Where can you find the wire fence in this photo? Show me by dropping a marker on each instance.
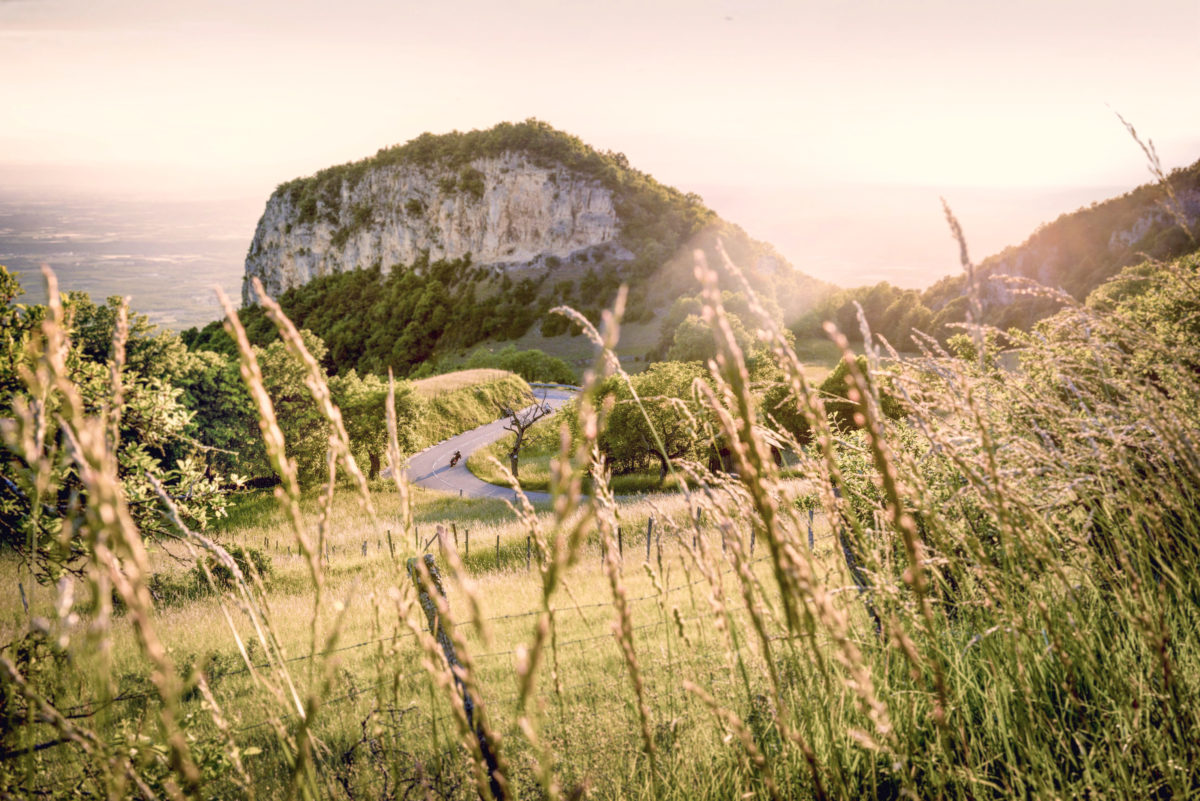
(92, 706)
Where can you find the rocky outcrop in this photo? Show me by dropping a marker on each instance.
(500, 210)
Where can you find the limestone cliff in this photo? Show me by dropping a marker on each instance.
(502, 209)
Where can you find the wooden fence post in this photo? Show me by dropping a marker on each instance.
(468, 552)
(497, 551)
(391, 547)
(527, 551)
(454, 528)
(649, 533)
(620, 546)
(364, 547)
(810, 533)
(439, 629)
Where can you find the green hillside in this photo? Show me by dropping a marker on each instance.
(1076, 253)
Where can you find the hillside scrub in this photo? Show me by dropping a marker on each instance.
(533, 365)
(998, 599)
(462, 408)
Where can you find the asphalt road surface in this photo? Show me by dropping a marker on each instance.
(431, 468)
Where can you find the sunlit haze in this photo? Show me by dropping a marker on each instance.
(827, 128)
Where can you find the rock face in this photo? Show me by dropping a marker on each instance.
(502, 210)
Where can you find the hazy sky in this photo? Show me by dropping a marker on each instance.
(743, 101)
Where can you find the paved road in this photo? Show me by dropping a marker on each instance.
(431, 468)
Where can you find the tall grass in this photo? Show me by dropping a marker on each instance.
(1003, 602)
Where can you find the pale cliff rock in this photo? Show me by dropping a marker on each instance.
(510, 212)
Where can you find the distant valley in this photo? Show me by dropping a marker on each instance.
(167, 256)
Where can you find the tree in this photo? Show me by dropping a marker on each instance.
(146, 434)
(363, 402)
(520, 422)
(662, 428)
(224, 419)
(304, 428)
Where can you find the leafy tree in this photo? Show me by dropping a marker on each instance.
(149, 435)
(780, 405)
(693, 341)
(17, 322)
(632, 439)
(532, 365)
(304, 428)
(149, 350)
(223, 419)
(363, 402)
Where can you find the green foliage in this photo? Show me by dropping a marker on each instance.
(17, 323)
(532, 365)
(891, 313)
(149, 437)
(363, 402)
(693, 340)
(371, 322)
(784, 408)
(470, 180)
(663, 427)
(249, 561)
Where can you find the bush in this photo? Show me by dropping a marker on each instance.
(245, 559)
(532, 365)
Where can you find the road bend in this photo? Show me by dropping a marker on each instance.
(431, 467)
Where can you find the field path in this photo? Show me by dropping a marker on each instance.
(431, 467)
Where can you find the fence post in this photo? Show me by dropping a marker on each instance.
(438, 628)
(620, 545)
(391, 547)
(527, 552)
(497, 551)
(649, 533)
(364, 547)
(454, 528)
(751, 543)
(468, 553)
(810, 534)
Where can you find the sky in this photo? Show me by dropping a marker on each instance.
(829, 128)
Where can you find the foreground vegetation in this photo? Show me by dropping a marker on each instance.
(999, 597)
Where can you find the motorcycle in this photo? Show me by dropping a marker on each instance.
(454, 459)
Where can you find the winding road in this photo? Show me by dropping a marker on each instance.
(431, 467)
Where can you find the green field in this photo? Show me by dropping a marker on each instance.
(997, 597)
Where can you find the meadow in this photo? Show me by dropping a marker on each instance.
(996, 597)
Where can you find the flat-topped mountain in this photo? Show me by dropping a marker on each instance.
(452, 239)
(503, 209)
